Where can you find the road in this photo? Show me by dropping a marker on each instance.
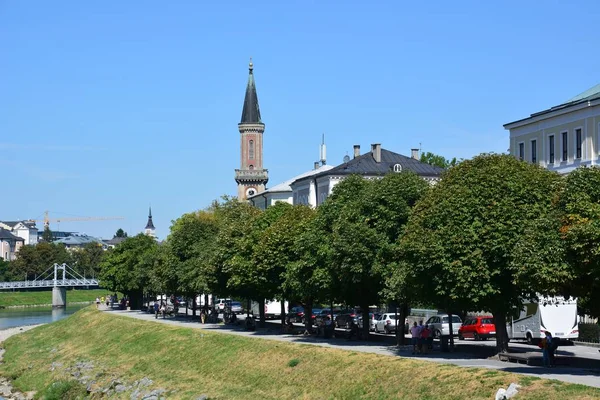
(589, 377)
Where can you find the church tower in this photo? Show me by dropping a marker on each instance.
(251, 178)
(150, 230)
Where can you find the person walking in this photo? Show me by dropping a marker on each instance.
(425, 332)
(102, 300)
(203, 315)
(546, 346)
(97, 302)
(163, 309)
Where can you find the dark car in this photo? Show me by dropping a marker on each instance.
(296, 314)
(326, 312)
(373, 317)
(315, 312)
(345, 318)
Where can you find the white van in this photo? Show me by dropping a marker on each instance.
(554, 314)
(272, 309)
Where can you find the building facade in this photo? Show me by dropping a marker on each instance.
(251, 177)
(283, 191)
(26, 230)
(561, 138)
(9, 245)
(314, 189)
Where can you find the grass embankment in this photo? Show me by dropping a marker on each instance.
(222, 366)
(12, 299)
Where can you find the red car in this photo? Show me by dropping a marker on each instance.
(478, 328)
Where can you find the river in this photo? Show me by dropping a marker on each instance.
(13, 317)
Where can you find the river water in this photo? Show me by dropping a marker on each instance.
(13, 317)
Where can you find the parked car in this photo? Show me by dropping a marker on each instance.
(478, 328)
(386, 323)
(345, 318)
(440, 326)
(326, 312)
(296, 314)
(315, 312)
(236, 307)
(220, 303)
(373, 317)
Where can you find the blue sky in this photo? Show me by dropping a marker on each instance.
(107, 107)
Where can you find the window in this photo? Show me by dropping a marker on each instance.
(578, 143)
(397, 168)
(565, 142)
(534, 151)
(551, 149)
(251, 150)
(521, 151)
(251, 167)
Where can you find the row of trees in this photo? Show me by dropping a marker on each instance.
(492, 232)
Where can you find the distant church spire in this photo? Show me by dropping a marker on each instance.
(150, 229)
(251, 111)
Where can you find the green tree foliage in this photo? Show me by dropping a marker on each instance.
(580, 208)
(32, 260)
(5, 272)
(47, 234)
(467, 241)
(87, 259)
(120, 234)
(189, 251)
(437, 160)
(127, 267)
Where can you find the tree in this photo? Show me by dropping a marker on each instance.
(126, 268)
(437, 160)
(120, 234)
(580, 210)
(87, 259)
(47, 234)
(189, 251)
(276, 233)
(32, 260)
(466, 243)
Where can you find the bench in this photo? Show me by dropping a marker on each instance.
(519, 358)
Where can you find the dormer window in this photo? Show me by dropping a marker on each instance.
(397, 168)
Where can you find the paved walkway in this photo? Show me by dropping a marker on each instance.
(587, 377)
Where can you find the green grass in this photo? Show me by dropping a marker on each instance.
(194, 362)
(11, 299)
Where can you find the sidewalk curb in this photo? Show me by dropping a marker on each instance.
(586, 344)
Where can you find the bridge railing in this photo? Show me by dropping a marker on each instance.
(49, 283)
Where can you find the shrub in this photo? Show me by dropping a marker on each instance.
(293, 362)
(64, 390)
(589, 332)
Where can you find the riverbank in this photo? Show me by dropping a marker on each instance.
(101, 352)
(6, 333)
(44, 298)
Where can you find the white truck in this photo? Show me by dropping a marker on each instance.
(554, 314)
(272, 309)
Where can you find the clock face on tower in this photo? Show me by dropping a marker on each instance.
(250, 192)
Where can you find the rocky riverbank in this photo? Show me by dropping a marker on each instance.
(6, 333)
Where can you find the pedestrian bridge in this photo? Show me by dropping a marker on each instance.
(58, 277)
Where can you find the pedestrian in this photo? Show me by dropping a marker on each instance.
(425, 332)
(203, 315)
(550, 348)
(107, 300)
(97, 302)
(102, 299)
(430, 339)
(420, 340)
(163, 309)
(414, 332)
(156, 308)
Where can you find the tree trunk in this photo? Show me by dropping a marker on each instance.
(401, 329)
(501, 333)
(450, 330)
(136, 298)
(366, 321)
(261, 313)
(282, 314)
(308, 305)
(248, 307)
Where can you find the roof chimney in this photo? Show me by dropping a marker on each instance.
(414, 153)
(356, 150)
(376, 150)
(316, 165)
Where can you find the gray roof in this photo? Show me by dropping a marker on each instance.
(592, 93)
(114, 241)
(150, 224)
(12, 224)
(78, 240)
(251, 111)
(5, 234)
(366, 165)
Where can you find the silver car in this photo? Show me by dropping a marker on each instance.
(236, 307)
(440, 327)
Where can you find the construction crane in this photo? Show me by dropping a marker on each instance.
(47, 219)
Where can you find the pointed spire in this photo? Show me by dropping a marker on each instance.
(150, 225)
(251, 111)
